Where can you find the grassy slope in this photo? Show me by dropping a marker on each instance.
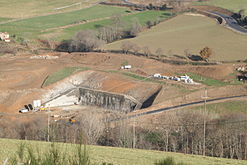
(32, 26)
(228, 107)
(193, 33)
(143, 17)
(66, 72)
(120, 155)
(4, 19)
(27, 8)
(234, 5)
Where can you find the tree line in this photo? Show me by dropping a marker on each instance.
(192, 132)
(90, 40)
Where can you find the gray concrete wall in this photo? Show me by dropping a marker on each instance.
(106, 100)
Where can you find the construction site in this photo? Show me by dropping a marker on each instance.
(104, 83)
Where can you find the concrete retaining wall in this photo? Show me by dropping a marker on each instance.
(107, 100)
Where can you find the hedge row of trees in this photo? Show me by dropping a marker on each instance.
(89, 40)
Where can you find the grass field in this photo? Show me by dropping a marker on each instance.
(143, 17)
(66, 72)
(233, 5)
(28, 8)
(49, 26)
(193, 33)
(118, 156)
(229, 107)
(4, 19)
(30, 28)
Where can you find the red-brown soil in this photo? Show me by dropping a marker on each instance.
(21, 77)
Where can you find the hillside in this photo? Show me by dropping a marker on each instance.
(233, 5)
(120, 156)
(192, 32)
(23, 8)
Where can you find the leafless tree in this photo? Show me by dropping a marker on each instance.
(159, 52)
(136, 28)
(85, 41)
(146, 51)
(127, 46)
(136, 48)
(92, 126)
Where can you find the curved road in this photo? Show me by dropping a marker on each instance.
(231, 23)
(178, 106)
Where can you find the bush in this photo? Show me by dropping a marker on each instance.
(168, 161)
(54, 156)
(6, 48)
(206, 53)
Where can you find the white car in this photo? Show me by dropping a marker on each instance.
(23, 110)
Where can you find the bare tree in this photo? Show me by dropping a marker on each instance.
(136, 28)
(85, 41)
(92, 126)
(136, 48)
(159, 52)
(146, 51)
(127, 46)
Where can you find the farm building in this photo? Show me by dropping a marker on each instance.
(4, 36)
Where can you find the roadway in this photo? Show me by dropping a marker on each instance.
(231, 23)
(151, 112)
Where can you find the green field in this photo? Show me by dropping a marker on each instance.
(29, 28)
(143, 17)
(94, 17)
(118, 156)
(28, 8)
(192, 33)
(233, 5)
(4, 19)
(60, 75)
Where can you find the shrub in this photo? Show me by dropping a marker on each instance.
(206, 53)
(168, 161)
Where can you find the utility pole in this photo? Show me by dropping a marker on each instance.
(204, 121)
(134, 133)
(48, 125)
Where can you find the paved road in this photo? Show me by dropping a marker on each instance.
(232, 23)
(178, 106)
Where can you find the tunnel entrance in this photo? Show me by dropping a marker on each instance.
(149, 101)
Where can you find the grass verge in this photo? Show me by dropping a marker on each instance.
(229, 107)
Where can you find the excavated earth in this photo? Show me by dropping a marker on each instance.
(21, 78)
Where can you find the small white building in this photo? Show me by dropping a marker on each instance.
(4, 36)
(126, 67)
(157, 75)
